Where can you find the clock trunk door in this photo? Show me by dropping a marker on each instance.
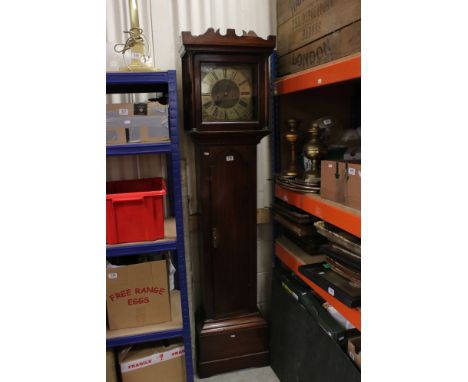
(233, 236)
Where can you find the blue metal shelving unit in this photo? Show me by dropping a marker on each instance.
(149, 83)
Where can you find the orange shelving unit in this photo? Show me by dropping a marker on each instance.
(345, 69)
(353, 315)
(346, 218)
(343, 217)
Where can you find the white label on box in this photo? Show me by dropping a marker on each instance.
(229, 158)
(112, 275)
(123, 111)
(351, 171)
(285, 198)
(331, 291)
(330, 165)
(206, 153)
(125, 367)
(127, 122)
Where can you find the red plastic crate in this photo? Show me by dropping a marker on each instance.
(134, 210)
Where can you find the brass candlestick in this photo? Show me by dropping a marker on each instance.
(313, 150)
(291, 136)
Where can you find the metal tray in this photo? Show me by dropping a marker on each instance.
(337, 238)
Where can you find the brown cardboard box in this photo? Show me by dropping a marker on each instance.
(155, 364)
(156, 108)
(119, 109)
(341, 183)
(111, 374)
(353, 186)
(354, 350)
(115, 135)
(138, 295)
(332, 182)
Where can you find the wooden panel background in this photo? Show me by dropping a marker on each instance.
(313, 19)
(341, 43)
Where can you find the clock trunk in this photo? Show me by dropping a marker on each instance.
(231, 333)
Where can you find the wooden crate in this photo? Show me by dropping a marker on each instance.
(341, 43)
(312, 32)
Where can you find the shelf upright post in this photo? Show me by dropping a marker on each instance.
(178, 211)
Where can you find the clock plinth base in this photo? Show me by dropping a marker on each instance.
(232, 343)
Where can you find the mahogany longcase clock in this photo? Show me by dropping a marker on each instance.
(225, 86)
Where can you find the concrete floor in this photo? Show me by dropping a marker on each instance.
(258, 374)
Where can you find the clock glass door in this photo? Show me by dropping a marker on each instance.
(228, 93)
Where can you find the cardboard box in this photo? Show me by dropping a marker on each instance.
(119, 110)
(332, 181)
(138, 295)
(156, 108)
(143, 129)
(353, 186)
(341, 183)
(115, 136)
(155, 364)
(111, 371)
(354, 350)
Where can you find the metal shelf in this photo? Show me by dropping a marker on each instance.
(139, 148)
(137, 248)
(138, 78)
(164, 330)
(293, 262)
(343, 217)
(344, 69)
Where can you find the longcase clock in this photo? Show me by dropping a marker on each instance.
(225, 86)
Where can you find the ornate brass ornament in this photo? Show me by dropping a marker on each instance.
(313, 150)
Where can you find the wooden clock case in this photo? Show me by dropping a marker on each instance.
(230, 332)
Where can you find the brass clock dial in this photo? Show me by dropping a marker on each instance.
(227, 93)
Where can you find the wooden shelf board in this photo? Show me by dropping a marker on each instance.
(344, 69)
(175, 323)
(337, 214)
(293, 261)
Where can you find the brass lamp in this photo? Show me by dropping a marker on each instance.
(136, 43)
